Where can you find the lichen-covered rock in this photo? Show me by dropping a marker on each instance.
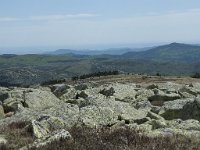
(40, 99)
(142, 105)
(96, 116)
(3, 139)
(124, 92)
(154, 116)
(3, 95)
(82, 94)
(189, 124)
(160, 97)
(69, 113)
(70, 94)
(59, 89)
(152, 86)
(155, 109)
(170, 87)
(128, 113)
(2, 115)
(30, 98)
(156, 124)
(144, 94)
(45, 125)
(49, 138)
(107, 92)
(183, 109)
(80, 102)
(158, 109)
(13, 106)
(81, 87)
(190, 90)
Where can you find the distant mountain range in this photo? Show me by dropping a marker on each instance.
(171, 52)
(172, 59)
(111, 51)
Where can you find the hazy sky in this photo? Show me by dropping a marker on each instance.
(87, 23)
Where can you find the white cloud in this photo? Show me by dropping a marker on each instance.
(6, 19)
(168, 27)
(62, 17)
(48, 17)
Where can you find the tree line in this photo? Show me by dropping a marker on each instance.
(96, 74)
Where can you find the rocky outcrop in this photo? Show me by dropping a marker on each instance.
(45, 125)
(69, 94)
(97, 116)
(190, 90)
(163, 109)
(2, 115)
(107, 92)
(160, 97)
(40, 99)
(29, 98)
(49, 138)
(81, 87)
(3, 96)
(59, 89)
(183, 109)
(3, 139)
(82, 94)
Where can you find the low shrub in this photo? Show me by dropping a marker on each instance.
(196, 75)
(104, 138)
(17, 134)
(95, 74)
(119, 139)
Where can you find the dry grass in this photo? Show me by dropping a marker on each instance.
(19, 134)
(119, 139)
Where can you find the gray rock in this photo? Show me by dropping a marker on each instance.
(155, 109)
(81, 87)
(190, 90)
(97, 116)
(160, 97)
(59, 89)
(154, 116)
(40, 99)
(82, 94)
(143, 105)
(2, 115)
(189, 125)
(67, 112)
(80, 102)
(152, 86)
(142, 120)
(124, 92)
(13, 106)
(45, 125)
(3, 139)
(156, 124)
(144, 94)
(107, 92)
(49, 138)
(70, 94)
(3, 95)
(183, 109)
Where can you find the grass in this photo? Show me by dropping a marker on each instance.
(84, 138)
(17, 134)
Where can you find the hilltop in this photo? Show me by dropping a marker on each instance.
(172, 52)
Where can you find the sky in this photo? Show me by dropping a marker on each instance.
(41, 25)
